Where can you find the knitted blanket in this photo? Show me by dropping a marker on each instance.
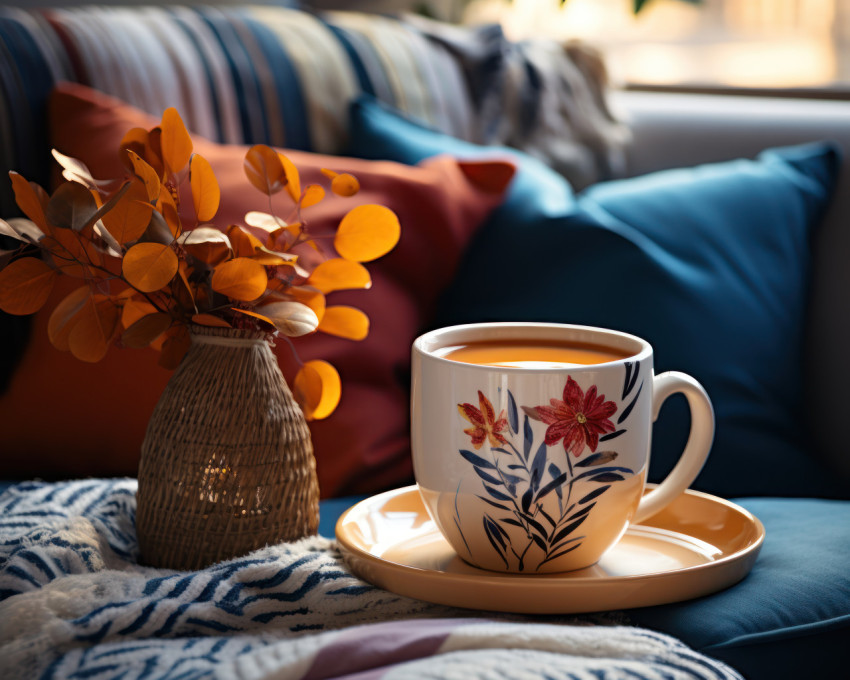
(74, 603)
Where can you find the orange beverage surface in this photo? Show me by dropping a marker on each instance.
(530, 354)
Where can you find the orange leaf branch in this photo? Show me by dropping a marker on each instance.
(148, 276)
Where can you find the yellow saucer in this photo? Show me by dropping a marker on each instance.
(698, 545)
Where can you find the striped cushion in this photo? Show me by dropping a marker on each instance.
(252, 74)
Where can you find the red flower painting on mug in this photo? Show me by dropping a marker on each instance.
(485, 424)
(579, 419)
(535, 505)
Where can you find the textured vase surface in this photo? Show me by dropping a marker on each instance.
(227, 462)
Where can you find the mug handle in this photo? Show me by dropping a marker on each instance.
(697, 448)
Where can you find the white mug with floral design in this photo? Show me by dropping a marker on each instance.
(531, 440)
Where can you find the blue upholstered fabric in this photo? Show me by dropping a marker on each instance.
(790, 617)
(710, 264)
(330, 510)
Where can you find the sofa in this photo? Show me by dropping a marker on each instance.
(713, 226)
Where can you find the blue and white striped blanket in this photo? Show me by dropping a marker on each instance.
(75, 604)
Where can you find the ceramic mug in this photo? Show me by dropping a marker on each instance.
(529, 464)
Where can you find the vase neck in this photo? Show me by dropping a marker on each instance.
(228, 337)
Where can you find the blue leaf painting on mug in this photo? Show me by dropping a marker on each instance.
(517, 479)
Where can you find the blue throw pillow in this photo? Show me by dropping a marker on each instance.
(710, 264)
(380, 132)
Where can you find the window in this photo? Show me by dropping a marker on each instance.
(777, 44)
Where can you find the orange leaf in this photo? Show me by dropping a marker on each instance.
(309, 296)
(272, 258)
(345, 185)
(293, 319)
(157, 344)
(175, 347)
(205, 192)
(94, 329)
(175, 142)
(367, 232)
(29, 200)
(290, 273)
(185, 295)
(134, 140)
(240, 279)
(243, 243)
(312, 195)
(63, 318)
(210, 320)
(339, 274)
(130, 216)
(25, 285)
(134, 309)
(264, 169)
(150, 177)
(345, 322)
(72, 255)
(149, 266)
(168, 209)
(71, 206)
(274, 226)
(145, 330)
(152, 152)
(293, 180)
(317, 389)
(207, 244)
(248, 245)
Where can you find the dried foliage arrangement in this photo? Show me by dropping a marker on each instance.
(152, 262)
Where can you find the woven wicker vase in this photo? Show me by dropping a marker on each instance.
(227, 463)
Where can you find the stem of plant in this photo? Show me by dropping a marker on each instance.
(292, 349)
(518, 455)
(525, 525)
(572, 475)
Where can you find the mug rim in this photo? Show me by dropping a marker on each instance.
(427, 343)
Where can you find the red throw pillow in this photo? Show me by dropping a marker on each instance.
(62, 417)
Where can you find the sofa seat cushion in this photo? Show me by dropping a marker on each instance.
(62, 417)
(710, 264)
(790, 617)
